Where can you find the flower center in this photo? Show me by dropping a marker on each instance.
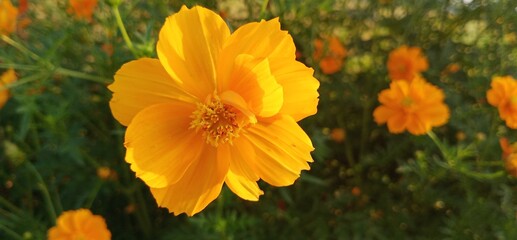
(407, 102)
(217, 120)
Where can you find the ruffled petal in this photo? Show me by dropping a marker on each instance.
(299, 85)
(200, 184)
(251, 78)
(188, 47)
(262, 39)
(142, 83)
(242, 177)
(282, 149)
(160, 145)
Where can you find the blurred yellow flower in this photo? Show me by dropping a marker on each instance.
(416, 106)
(503, 95)
(404, 63)
(215, 107)
(104, 173)
(79, 224)
(82, 9)
(330, 54)
(6, 78)
(8, 15)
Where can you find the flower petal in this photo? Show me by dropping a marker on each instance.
(262, 39)
(382, 114)
(251, 78)
(282, 149)
(142, 83)
(242, 177)
(200, 185)
(160, 144)
(188, 46)
(299, 85)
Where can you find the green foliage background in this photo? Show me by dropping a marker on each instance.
(57, 128)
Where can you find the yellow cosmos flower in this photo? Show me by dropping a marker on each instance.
(215, 107)
(6, 78)
(416, 106)
(8, 15)
(83, 9)
(405, 63)
(503, 95)
(79, 224)
(331, 60)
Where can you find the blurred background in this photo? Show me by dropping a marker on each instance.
(61, 148)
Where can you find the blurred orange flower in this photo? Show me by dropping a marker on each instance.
(404, 63)
(83, 9)
(338, 135)
(79, 224)
(6, 78)
(509, 156)
(503, 95)
(8, 15)
(330, 54)
(416, 106)
(215, 108)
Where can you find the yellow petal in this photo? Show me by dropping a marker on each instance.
(142, 83)
(299, 85)
(235, 100)
(282, 149)
(161, 147)
(262, 39)
(242, 176)
(251, 78)
(199, 186)
(188, 47)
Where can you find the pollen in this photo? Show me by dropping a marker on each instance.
(218, 122)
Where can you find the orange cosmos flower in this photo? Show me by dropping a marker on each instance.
(8, 15)
(330, 57)
(404, 63)
(83, 9)
(416, 106)
(79, 224)
(215, 107)
(509, 156)
(6, 78)
(503, 95)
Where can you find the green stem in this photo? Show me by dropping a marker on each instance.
(93, 194)
(81, 75)
(9, 205)
(364, 129)
(19, 66)
(440, 147)
(122, 28)
(10, 233)
(20, 47)
(263, 9)
(143, 214)
(483, 175)
(44, 190)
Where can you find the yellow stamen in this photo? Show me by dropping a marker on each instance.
(217, 120)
